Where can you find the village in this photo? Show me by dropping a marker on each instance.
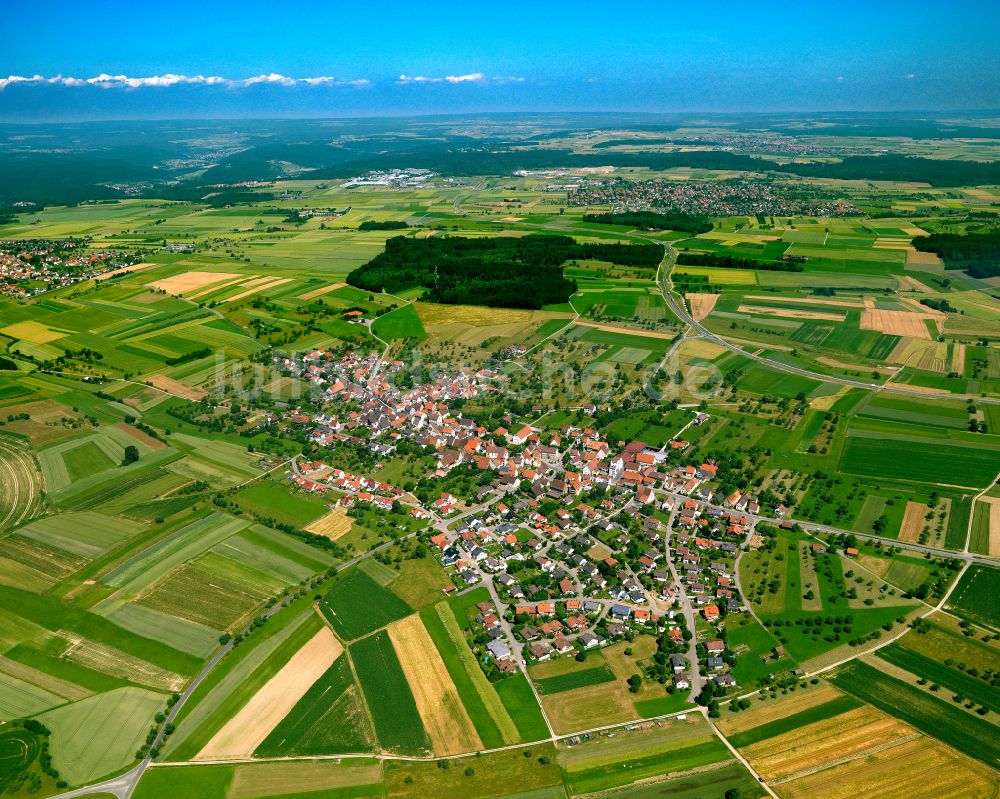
(581, 542)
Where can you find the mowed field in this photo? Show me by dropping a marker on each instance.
(20, 482)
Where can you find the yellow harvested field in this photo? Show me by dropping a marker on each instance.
(583, 708)
(124, 270)
(913, 521)
(700, 348)
(905, 349)
(896, 323)
(512, 219)
(471, 325)
(444, 716)
(701, 304)
(915, 256)
(35, 332)
(259, 780)
(764, 713)
(921, 768)
(958, 358)
(332, 525)
(172, 386)
(792, 314)
(994, 511)
(192, 281)
(889, 243)
(853, 302)
(193, 295)
(822, 742)
(825, 403)
(311, 295)
(913, 230)
(245, 731)
(628, 330)
(262, 286)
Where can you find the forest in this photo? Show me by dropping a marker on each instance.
(976, 253)
(525, 272)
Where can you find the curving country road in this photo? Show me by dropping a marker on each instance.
(676, 304)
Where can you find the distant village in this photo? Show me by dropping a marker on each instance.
(33, 266)
(737, 197)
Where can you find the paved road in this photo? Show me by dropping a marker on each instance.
(665, 284)
(694, 672)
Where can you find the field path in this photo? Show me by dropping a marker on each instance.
(972, 516)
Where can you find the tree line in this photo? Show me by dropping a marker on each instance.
(731, 262)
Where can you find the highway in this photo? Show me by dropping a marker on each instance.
(677, 306)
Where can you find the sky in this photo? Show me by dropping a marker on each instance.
(113, 60)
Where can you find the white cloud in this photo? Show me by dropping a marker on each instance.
(910, 76)
(106, 81)
(472, 77)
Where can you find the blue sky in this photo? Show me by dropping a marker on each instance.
(349, 58)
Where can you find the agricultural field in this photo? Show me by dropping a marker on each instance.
(240, 482)
(642, 756)
(820, 742)
(395, 714)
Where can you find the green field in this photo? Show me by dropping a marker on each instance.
(977, 596)
(922, 461)
(575, 679)
(99, 735)
(357, 605)
(393, 709)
